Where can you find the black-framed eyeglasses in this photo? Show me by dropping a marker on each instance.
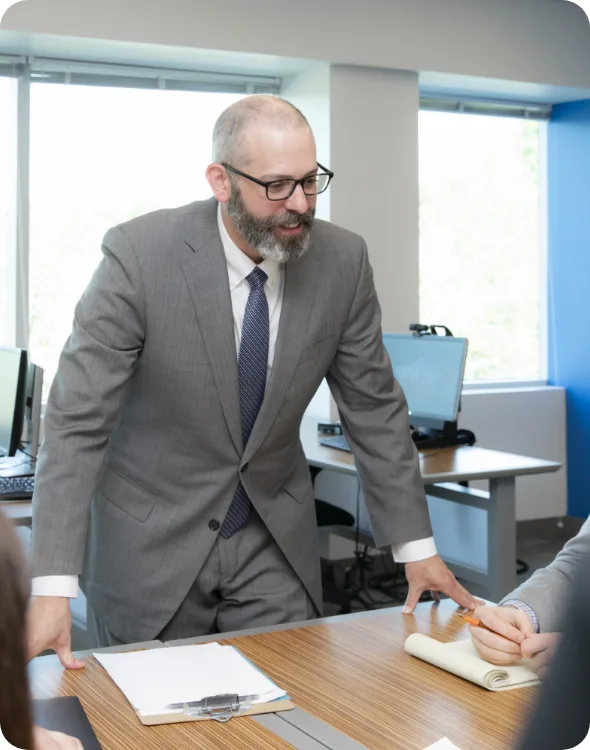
(280, 190)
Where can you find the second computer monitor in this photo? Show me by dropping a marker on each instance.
(32, 423)
(13, 376)
(430, 371)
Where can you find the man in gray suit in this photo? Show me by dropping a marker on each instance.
(531, 617)
(172, 477)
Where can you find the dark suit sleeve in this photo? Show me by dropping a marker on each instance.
(94, 368)
(374, 416)
(561, 718)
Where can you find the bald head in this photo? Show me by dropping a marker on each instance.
(234, 124)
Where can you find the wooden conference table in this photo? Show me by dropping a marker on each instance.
(350, 672)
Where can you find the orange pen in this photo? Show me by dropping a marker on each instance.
(474, 622)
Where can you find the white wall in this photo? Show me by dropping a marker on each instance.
(310, 92)
(539, 41)
(374, 149)
(530, 422)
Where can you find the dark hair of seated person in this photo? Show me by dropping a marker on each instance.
(15, 706)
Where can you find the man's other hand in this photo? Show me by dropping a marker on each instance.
(433, 575)
(49, 625)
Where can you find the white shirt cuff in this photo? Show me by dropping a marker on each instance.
(66, 586)
(414, 551)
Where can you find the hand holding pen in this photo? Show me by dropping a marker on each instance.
(498, 633)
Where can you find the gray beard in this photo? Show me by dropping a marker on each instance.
(259, 235)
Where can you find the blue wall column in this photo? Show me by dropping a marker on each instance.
(568, 185)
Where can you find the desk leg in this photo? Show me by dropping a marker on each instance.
(501, 538)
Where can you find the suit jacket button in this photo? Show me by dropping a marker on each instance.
(244, 468)
(214, 525)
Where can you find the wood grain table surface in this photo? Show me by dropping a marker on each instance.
(353, 674)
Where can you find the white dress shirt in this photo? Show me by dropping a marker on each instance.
(239, 266)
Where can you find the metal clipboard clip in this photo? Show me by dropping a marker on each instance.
(218, 707)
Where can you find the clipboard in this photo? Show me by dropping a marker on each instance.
(219, 708)
(220, 705)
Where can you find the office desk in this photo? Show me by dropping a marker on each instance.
(442, 470)
(20, 512)
(350, 672)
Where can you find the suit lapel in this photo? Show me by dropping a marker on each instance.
(299, 294)
(205, 270)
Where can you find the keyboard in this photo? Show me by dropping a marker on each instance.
(16, 488)
(337, 441)
(421, 440)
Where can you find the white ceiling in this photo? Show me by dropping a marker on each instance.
(184, 58)
(489, 88)
(151, 55)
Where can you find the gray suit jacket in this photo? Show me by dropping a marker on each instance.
(562, 716)
(548, 590)
(142, 432)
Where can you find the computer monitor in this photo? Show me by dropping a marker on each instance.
(32, 423)
(430, 371)
(13, 379)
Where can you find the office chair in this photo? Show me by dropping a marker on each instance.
(330, 515)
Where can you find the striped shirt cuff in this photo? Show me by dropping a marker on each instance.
(517, 604)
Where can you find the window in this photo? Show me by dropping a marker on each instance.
(99, 156)
(8, 87)
(481, 260)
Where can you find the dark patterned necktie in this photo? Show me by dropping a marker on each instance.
(252, 367)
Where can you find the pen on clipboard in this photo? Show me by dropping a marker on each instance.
(474, 622)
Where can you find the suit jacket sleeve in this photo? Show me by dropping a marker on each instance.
(95, 366)
(562, 715)
(374, 416)
(548, 589)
